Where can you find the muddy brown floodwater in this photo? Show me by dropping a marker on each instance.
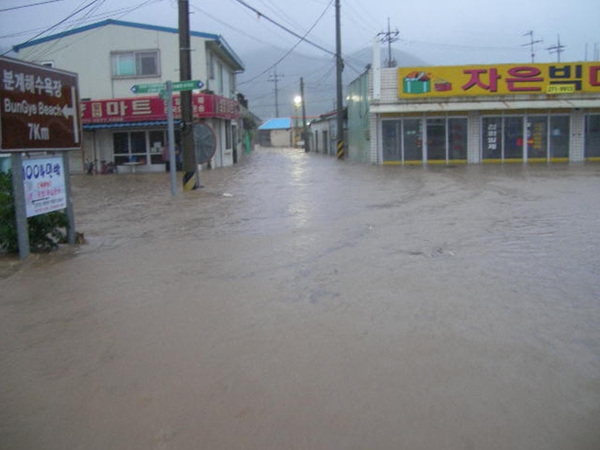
(299, 302)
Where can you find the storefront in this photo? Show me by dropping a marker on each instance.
(132, 131)
(534, 113)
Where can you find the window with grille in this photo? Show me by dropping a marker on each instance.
(135, 64)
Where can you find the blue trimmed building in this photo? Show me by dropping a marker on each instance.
(111, 56)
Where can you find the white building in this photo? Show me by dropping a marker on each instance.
(111, 57)
(476, 114)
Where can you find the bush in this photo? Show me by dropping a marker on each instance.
(46, 231)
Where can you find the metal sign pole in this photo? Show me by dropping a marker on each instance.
(171, 138)
(20, 212)
(69, 210)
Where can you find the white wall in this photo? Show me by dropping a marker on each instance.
(89, 54)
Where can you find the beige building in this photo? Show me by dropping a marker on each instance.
(113, 56)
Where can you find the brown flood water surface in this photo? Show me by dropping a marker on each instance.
(317, 305)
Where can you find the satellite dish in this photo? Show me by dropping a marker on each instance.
(205, 143)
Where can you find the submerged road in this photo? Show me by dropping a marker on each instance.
(299, 302)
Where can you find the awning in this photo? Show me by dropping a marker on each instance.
(394, 108)
(154, 123)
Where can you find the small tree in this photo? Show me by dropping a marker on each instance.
(46, 231)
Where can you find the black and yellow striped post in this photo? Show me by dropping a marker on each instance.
(340, 149)
(191, 181)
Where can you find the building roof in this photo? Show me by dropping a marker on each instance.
(218, 44)
(282, 123)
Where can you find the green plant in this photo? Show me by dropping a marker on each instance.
(46, 231)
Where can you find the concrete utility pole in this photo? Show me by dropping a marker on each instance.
(389, 36)
(274, 77)
(305, 136)
(531, 44)
(558, 49)
(191, 180)
(339, 68)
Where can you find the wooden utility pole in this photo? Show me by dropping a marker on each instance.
(339, 68)
(191, 180)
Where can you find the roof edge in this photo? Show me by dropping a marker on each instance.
(122, 23)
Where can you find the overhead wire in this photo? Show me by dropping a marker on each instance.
(28, 6)
(83, 8)
(302, 39)
(118, 13)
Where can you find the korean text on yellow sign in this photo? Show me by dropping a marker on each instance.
(498, 79)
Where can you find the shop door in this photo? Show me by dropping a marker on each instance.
(436, 140)
(559, 138)
(390, 130)
(513, 139)
(537, 139)
(457, 140)
(412, 138)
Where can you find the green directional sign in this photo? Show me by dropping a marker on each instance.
(189, 85)
(153, 88)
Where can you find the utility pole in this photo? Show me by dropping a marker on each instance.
(275, 78)
(558, 49)
(304, 130)
(191, 180)
(389, 36)
(339, 68)
(531, 44)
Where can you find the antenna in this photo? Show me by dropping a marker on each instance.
(531, 43)
(558, 48)
(389, 36)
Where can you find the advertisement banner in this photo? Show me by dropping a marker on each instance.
(498, 79)
(44, 183)
(142, 109)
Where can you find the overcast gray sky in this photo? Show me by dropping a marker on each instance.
(441, 32)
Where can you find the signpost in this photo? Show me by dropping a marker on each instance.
(166, 92)
(39, 112)
(40, 108)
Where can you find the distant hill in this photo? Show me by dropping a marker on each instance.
(319, 79)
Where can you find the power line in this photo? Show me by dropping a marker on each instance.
(83, 8)
(302, 38)
(28, 6)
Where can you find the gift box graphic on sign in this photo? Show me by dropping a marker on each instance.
(417, 83)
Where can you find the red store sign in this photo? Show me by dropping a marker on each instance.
(142, 109)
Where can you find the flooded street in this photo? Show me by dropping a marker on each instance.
(299, 302)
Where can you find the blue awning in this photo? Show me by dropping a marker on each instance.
(154, 123)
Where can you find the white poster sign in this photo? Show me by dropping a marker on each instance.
(44, 183)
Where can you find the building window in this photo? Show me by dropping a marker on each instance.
(144, 147)
(135, 64)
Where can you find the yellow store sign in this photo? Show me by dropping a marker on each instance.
(498, 79)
